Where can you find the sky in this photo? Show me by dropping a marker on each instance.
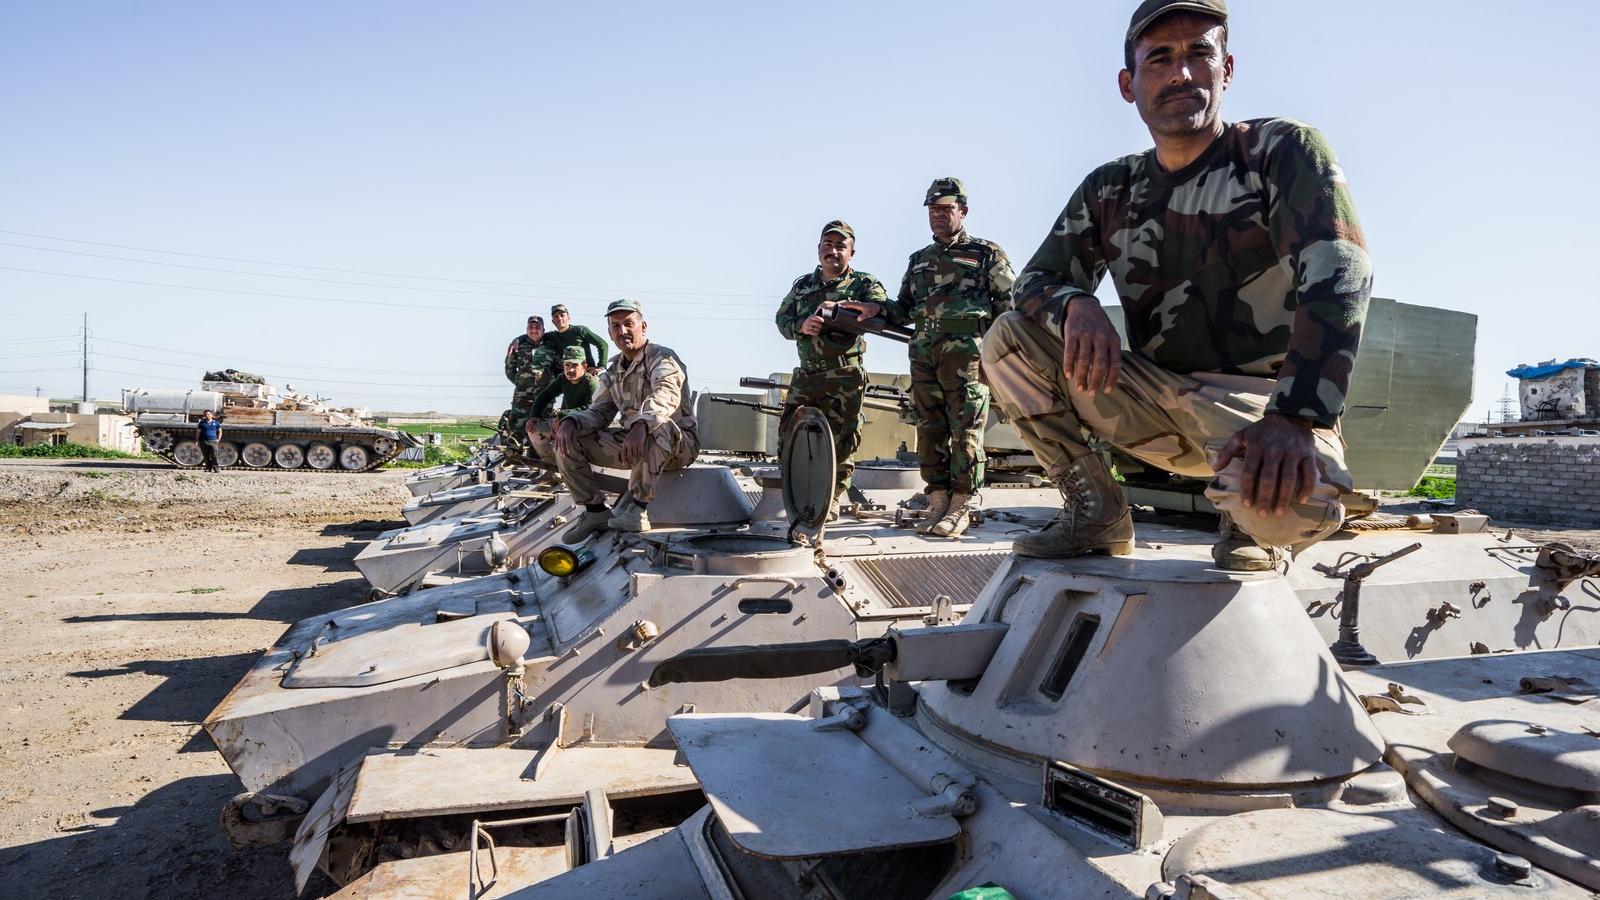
(366, 199)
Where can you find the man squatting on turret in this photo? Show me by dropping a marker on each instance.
(1242, 271)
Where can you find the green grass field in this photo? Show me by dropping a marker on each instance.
(478, 429)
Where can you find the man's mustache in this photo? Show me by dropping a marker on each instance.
(1170, 93)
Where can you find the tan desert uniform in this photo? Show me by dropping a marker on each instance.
(654, 389)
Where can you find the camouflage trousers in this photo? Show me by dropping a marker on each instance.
(951, 406)
(512, 427)
(836, 393)
(667, 449)
(1174, 422)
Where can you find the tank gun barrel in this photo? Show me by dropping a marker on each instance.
(773, 661)
(765, 408)
(887, 392)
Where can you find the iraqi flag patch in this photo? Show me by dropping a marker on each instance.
(970, 262)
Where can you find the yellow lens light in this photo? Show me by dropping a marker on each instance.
(558, 561)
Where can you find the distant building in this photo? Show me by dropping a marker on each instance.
(28, 421)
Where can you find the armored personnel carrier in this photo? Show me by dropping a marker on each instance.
(262, 428)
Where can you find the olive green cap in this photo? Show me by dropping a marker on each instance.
(572, 354)
(946, 187)
(559, 308)
(840, 226)
(536, 320)
(1151, 10)
(625, 306)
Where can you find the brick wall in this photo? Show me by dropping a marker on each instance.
(1538, 480)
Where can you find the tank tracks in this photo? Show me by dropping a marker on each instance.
(378, 445)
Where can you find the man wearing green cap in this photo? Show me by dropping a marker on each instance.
(648, 385)
(953, 288)
(564, 334)
(1244, 278)
(576, 388)
(831, 376)
(529, 365)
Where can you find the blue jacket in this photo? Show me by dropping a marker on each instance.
(210, 431)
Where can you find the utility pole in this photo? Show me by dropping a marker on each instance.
(86, 357)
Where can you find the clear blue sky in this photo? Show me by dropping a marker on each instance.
(686, 154)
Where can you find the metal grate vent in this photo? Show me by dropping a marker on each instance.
(904, 581)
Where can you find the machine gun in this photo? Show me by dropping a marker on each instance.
(849, 322)
(764, 408)
(888, 397)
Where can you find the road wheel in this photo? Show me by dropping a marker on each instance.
(354, 457)
(321, 456)
(187, 454)
(257, 455)
(289, 456)
(227, 455)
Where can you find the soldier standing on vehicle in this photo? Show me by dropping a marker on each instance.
(209, 433)
(1244, 277)
(529, 365)
(953, 288)
(565, 334)
(831, 376)
(576, 389)
(649, 386)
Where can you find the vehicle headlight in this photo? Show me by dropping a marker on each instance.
(561, 562)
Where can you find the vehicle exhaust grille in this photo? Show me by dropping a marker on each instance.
(903, 581)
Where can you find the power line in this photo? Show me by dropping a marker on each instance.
(289, 365)
(279, 376)
(381, 303)
(263, 262)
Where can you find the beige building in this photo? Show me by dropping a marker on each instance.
(28, 421)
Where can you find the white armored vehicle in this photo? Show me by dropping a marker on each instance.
(262, 428)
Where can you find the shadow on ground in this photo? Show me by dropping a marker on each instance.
(288, 605)
(167, 844)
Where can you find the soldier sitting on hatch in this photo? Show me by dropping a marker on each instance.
(576, 388)
(1244, 278)
(831, 376)
(649, 385)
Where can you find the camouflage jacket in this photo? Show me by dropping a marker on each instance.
(1248, 261)
(968, 278)
(528, 365)
(653, 388)
(594, 346)
(575, 395)
(829, 350)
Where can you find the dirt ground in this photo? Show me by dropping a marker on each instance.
(135, 597)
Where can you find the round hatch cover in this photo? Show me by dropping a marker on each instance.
(807, 463)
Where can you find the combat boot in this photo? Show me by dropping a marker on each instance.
(1094, 516)
(590, 522)
(938, 503)
(1236, 551)
(956, 516)
(629, 516)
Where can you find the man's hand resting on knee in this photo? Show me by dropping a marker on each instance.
(1280, 462)
(566, 437)
(1092, 357)
(633, 446)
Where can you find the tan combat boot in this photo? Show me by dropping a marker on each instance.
(629, 516)
(1236, 551)
(1094, 516)
(955, 518)
(938, 503)
(588, 523)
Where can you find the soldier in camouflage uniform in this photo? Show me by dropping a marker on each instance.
(953, 288)
(529, 365)
(565, 334)
(831, 376)
(575, 388)
(1242, 270)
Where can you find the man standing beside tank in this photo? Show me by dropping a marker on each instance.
(575, 388)
(649, 385)
(209, 433)
(953, 288)
(1244, 277)
(529, 365)
(564, 334)
(831, 376)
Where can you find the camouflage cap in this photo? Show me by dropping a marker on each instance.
(1151, 10)
(559, 308)
(625, 306)
(946, 187)
(573, 354)
(840, 226)
(536, 320)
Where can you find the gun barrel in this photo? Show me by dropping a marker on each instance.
(766, 384)
(759, 407)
